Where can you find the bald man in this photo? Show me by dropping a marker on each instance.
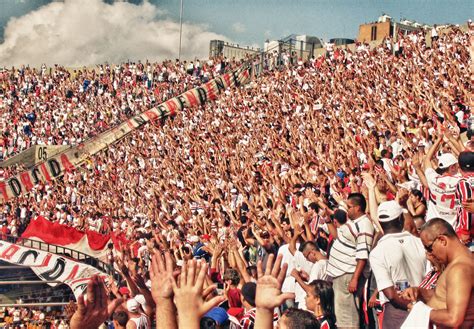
(452, 300)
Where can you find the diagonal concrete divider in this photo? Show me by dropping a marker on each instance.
(34, 155)
(51, 169)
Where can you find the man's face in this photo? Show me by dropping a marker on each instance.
(435, 246)
(312, 256)
(308, 251)
(454, 169)
(352, 210)
(282, 323)
(265, 236)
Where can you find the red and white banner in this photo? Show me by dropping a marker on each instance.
(89, 242)
(68, 160)
(51, 267)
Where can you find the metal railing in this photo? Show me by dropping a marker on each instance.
(62, 251)
(34, 304)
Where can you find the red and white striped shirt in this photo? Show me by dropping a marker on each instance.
(464, 191)
(430, 280)
(248, 320)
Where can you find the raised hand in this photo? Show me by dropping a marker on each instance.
(338, 197)
(98, 308)
(269, 295)
(188, 294)
(139, 281)
(416, 160)
(161, 276)
(369, 180)
(121, 266)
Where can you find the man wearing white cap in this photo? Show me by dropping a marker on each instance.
(398, 261)
(137, 319)
(442, 183)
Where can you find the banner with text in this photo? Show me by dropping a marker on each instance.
(55, 167)
(50, 267)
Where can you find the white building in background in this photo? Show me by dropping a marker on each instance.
(302, 46)
(230, 50)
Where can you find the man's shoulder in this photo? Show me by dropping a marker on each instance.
(430, 173)
(363, 224)
(388, 242)
(467, 180)
(461, 264)
(379, 250)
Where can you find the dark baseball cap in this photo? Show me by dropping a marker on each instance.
(466, 161)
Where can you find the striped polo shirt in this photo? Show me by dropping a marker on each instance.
(354, 241)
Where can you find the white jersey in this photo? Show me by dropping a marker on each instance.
(442, 203)
(398, 257)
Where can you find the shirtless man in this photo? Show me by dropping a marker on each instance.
(452, 299)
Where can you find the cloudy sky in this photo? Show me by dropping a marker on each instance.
(76, 32)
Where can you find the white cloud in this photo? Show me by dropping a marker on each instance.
(86, 32)
(239, 27)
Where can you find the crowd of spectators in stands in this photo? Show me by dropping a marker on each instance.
(325, 192)
(61, 106)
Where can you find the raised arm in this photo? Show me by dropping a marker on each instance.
(296, 234)
(269, 295)
(371, 184)
(431, 153)
(161, 276)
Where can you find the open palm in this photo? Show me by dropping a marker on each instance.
(269, 293)
(98, 308)
(161, 276)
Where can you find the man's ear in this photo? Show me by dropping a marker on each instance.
(443, 239)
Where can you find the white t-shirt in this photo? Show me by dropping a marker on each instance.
(319, 271)
(398, 257)
(301, 263)
(289, 282)
(442, 203)
(388, 165)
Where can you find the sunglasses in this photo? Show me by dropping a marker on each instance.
(430, 247)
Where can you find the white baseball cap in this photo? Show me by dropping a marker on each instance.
(132, 305)
(389, 211)
(446, 160)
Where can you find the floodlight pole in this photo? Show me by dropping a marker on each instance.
(180, 29)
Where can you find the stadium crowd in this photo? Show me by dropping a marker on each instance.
(60, 106)
(333, 191)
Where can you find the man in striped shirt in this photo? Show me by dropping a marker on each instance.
(348, 265)
(464, 192)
